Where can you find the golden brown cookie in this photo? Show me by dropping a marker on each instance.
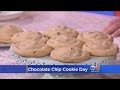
(101, 48)
(69, 54)
(29, 35)
(63, 40)
(7, 31)
(95, 35)
(31, 48)
(61, 30)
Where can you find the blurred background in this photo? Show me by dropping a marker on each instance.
(110, 13)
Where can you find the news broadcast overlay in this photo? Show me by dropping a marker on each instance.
(60, 69)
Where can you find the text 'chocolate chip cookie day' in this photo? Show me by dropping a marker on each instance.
(58, 69)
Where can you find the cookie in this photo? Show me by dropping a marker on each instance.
(101, 48)
(29, 35)
(7, 31)
(31, 48)
(63, 40)
(95, 35)
(69, 54)
(61, 30)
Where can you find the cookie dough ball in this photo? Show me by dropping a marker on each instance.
(95, 35)
(31, 48)
(101, 48)
(61, 30)
(29, 35)
(7, 31)
(69, 54)
(63, 40)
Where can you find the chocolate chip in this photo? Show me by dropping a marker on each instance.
(58, 33)
(44, 36)
(34, 52)
(65, 27)
(39, 33)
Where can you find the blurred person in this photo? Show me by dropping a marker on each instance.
(113, 28)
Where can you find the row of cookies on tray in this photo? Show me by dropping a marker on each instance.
(61, 43)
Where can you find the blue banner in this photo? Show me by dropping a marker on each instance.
(115, 69)
(12, 69)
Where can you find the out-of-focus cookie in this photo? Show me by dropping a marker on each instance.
(101, 48)
(61, 30)
(29, 35)
(69, 54)
(7, 31)
(95, 35)
(63, 40)
(31, 48)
